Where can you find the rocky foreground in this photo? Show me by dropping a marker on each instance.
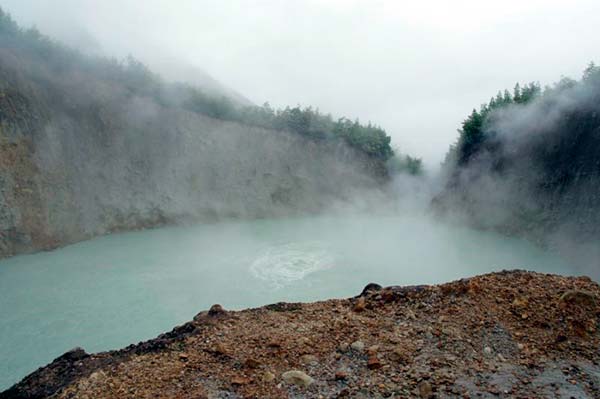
(511, 334)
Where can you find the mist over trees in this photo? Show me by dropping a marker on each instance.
(474, 135)
(405, 164)
(91, 145)
(138, 80)
(528, 162)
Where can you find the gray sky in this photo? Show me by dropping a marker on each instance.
(416, 68)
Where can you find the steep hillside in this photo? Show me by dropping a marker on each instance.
(528, 163)
(91, 145)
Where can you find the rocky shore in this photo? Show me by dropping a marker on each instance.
(512, 334)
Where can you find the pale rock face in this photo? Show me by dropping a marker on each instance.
(86, 151)
(107, 161)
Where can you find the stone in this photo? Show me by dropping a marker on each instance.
(97, 375)
(268, 376)
(373, 362)
(297, 377)
(425, 390)
(399, 355)
(344, 347)
(410, 314)
(309, 359)
(216, 310)
(371, 287)
(73, 355)
(240, 380)
(219, 349)
(341, 375)
(487, 351)
(252, 363)
(580, 297)
(388, 295)
(358, 346)
(360, 305)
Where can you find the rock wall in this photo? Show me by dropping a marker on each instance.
(91, 146)
(70, 175)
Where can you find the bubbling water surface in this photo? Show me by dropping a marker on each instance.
(115, 290)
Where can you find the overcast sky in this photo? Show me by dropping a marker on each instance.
(416, 68)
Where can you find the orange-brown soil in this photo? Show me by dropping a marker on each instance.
(509, 334)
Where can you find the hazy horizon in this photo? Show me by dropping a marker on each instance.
(395, 65)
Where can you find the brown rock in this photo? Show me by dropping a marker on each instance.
(297, 377)
(240, 380)
(520, 302)
(252, 363)
(370, 288)
(219, 349)
(216, 310)
(388, 296)
(425, 390)
(400, 355)
(309, 359)
(580, 297)
(360, 305)
(358, 346)
(341, 375)
(373, 362)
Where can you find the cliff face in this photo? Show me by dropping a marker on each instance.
(64, 184)
(83, 155)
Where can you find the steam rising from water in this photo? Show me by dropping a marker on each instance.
(111, 291)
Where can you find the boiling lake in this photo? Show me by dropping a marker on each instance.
(115, 290)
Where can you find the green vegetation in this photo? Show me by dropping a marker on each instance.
(370, 139)
(478, 135)
(140, 81)
(405, 164)
(472, 134)
(540, 150)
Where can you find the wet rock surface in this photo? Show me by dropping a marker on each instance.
(509, 335)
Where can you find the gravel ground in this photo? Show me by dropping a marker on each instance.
(512, 334)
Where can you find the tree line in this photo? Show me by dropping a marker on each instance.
(139, 80)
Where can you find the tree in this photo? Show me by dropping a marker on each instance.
(7, 24)
(470, 136)
(517, 93)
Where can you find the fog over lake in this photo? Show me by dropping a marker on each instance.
(159, 157)
(115, 290)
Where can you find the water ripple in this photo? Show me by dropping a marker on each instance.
(283, 264)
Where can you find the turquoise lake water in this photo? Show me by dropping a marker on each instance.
(112, 291)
